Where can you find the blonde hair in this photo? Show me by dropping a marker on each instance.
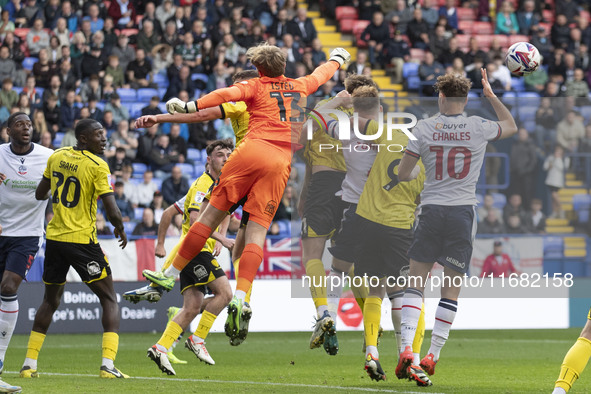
(366, 99)
(39, 123)
(268, 59)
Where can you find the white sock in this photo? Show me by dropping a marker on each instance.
(396, 300)
(411, 311)
(197, 339)
(162, 348)
(29, 362)
(416, 359)
(444, 317)
(107, 362)
(8, 317)
(321, 309)
(373, 350)
(172, 271)
(241, 295)
(334, 293)
(559, 390)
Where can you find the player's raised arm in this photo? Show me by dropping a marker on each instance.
(506, 121)
(114, 216)
(213, 99)
(195, 117)
(323, 73)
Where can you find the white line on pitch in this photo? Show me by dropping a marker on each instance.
(302, 385)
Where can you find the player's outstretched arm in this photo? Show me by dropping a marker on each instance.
(408, 168)
(338, 57)
(43, 189)
(114, 216)
(213, 99)
(196, 117)
(165, 221)
(506, 121)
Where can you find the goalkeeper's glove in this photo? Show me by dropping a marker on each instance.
(176, 105)
(340, 55)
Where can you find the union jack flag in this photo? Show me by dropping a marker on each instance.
(282, 259)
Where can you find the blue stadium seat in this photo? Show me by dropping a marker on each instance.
(39, 90)
(138, 212)
(553, 247)
(199, 169)
(413, 83)
(146, 94)
(100, 105)
(480, 199)
(510, 98)
(29, 62)
(410, 70)
(139, 168)
(157, 182)
(527, 113)
(160, 80)
(582, 206)
(127, 95)
(193, 154)
(162, 107)
(529, 99)
(200, 77)
(186, 169)
(57, 140)
(586, 113)
(135, 109)
(162, 92)
(128, 227)
(17, 89)
(284, 228)
(517, 84)
(499, 200)
(530, 125)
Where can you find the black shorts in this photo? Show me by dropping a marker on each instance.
(88, 260)
(200, 271)
(323, 210)
(445, 234)
(382, 249)
(346, 239)
(17, 254)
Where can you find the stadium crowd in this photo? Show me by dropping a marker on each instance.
(62, 61)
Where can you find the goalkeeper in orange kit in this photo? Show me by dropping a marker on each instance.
(258, 169)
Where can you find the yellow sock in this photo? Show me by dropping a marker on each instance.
(417, 343)
(372, 313)
(110, 345)
(315, 270)
(35, 343)
(574, 363)
(172, 332)
(249, 292)
(205, 323)
(361, 292)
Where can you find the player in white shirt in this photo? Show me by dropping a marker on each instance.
(452, 148)
(21, 218)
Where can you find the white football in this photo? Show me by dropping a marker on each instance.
(522, 59)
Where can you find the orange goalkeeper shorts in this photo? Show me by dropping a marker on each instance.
(258, 170)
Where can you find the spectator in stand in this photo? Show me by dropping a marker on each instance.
(375, 35)
(578, 88)
(181, 23)
(400, 16)
(123, 203)
(30, 90)
(108, 123)
(439, 42)
(125, 178)
(575, 42)
(152, 108)
(144, 192)
(54, 51)
(475, 52)
(189, 51)
(46, 140)
(507, 20)
(515, 225)
(450, 13)
(52, 112)
(528, 17)
(279, 27)
(139, 71)
(123, 51)
(183, 82)
(150, 16)
(502, 73)
(68, 112)
(117, 162)
(178, 144)
(93, 63)
(498, 264)
(123, 139)
(28, 13)
(90, 88)
(37, 38)
(13, 43)
(8, 68)
(69, 138)
(96, 22)
(569, 131)
(536, 220)
(95, 112)
(165, 11)
(523, 165)
(69, 15)
(6, 25)
(430, 13)
(120, 112)
(429, 70)
(108, 88)
(175, 68)
(116, 71)
(161, 58)
(556, 165)
(101, 225)
(147, 38)
(560, 33)
(123, 13)
(418, 30)
(221, 78)
(318, 54)
(162, 158)
(175, 186)
(536, 81)
(301, 28)
(487, 205)
(199, 31)
(356, 67)
(585, 143)
(396, 53)
(170, 35)
(145, 143)
(582, 58)
(446, 58)
(157, 205)
(514, 206)
(39, 125)
(491, 224)
(68, 76)
(8, 96)
(569, 9)
(583, 25)
(541, 41)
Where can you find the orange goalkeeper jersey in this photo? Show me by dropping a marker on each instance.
(276, 105)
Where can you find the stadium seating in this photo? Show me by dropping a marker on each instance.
(146, 94)
(139, 169)
(553, 247)
(29, 62)
(161, 80)
(187, 169)
(138, 213)
(346, 12)
(200, 77)
(57, 140)
(199, 169)
(410, 69)
(127, 95)
(582, 206)
(135, 109)
(499, 200)
(193, 154)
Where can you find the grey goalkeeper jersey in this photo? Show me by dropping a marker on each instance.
(452, 150)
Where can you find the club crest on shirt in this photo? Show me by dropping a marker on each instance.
(22, 170)
(271, 207)
(200, 272)
(93, 268)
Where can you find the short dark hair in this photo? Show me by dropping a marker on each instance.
(86, 126)
(11, 118)
(353, 81)
(120, 149)
(119, 184)
(245, 75)
(223, 144)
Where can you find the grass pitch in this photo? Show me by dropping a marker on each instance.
(524, 361)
